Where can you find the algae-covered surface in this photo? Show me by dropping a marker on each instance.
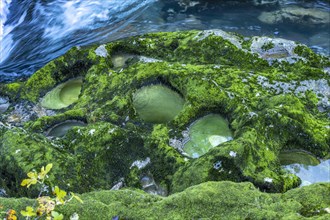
(271, 104)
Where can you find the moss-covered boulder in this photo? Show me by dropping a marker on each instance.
(272, 104)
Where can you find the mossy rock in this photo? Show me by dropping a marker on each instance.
(270, 108)
(212, 200)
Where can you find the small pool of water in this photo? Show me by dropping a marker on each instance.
(62, 95)
(157, 103)
(61, 129)
(206, 133)
(306, 166)
(311, 174)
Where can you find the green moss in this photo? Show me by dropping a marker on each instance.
(268, 46)
(165, 159)
(211, 200)
(312, 58)
(94, 157)
(42, 124)
(21, 152)
(11, 90)
(74, 63)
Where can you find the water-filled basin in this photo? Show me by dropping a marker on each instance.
(157, 103)
(62, 95)
(206, 133)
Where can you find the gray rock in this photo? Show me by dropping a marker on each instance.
(298, 15)
(4, 104)
(235, 40)
(272, 49)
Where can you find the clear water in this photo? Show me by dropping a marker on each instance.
(61, 129)
(157, 104)
(311, 174)
(33, 32)
(62, 95)
(206, 133)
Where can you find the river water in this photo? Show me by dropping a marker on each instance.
(33, 32)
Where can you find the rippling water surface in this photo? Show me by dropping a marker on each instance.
(33, 32)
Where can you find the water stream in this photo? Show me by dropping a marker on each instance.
(33, 32)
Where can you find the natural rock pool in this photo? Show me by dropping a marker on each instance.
(157, 103)
(60, 129)
(62, 95)
(206, 133)
(306, 166)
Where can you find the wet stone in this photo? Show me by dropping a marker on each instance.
(4, 104)
(206, 133)
(157, 103)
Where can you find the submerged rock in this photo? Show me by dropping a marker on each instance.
(297, 15)
(62, 95)
(298, 157)
(157, 103)
(275, 49)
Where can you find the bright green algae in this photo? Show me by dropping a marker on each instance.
(206, 133)
(157, 103)
(213, 76)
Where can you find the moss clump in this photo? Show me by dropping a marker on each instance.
(215, 200)
(76, 62)
(11, 90)
(312, 58)
(268, 46)
(44, 123)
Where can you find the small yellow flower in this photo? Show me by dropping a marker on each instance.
(11, 215)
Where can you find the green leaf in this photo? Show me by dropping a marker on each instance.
(57, 216)
(60, 194)
(44, 171)
(29, 212)
(31, 181)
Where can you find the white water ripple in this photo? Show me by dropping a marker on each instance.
(38, 30)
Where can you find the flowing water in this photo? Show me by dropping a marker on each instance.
(33, 32)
